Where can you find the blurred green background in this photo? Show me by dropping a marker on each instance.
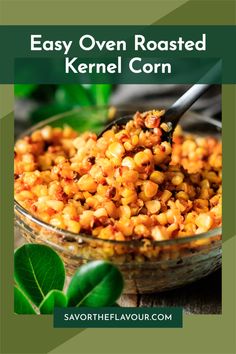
(55, 99)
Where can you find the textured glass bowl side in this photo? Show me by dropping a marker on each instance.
(146, 269)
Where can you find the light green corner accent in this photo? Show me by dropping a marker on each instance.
(6, 99)
(94, 12)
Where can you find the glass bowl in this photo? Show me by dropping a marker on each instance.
(147, 267)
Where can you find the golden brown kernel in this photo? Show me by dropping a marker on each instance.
(87, 183)
(153, 206)
(157, 177)
(107, 187)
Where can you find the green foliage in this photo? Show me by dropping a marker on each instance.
(24, 90)
(40, 277)
(54, 298)
(101, 94)
(48, 110)
(62, 98)
(76, 95)
(96, 284)
(38, 269)
(21, 303)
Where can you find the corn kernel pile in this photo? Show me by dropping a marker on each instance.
(128, 184)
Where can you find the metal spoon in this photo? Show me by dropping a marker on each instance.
(175, 112)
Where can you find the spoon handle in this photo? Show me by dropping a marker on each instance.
(174, 113)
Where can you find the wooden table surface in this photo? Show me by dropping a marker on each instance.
(200, 297)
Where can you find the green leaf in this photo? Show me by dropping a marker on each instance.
(22, 305)
(24, 90)
(54, 298)
(95, 284)
(38, 269)
(74, 94)
(101, 94)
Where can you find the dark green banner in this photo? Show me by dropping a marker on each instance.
(116, 54)
(118, 317)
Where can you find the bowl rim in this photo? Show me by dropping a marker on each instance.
(65, 233)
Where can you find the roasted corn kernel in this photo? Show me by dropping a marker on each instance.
(125, 185)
